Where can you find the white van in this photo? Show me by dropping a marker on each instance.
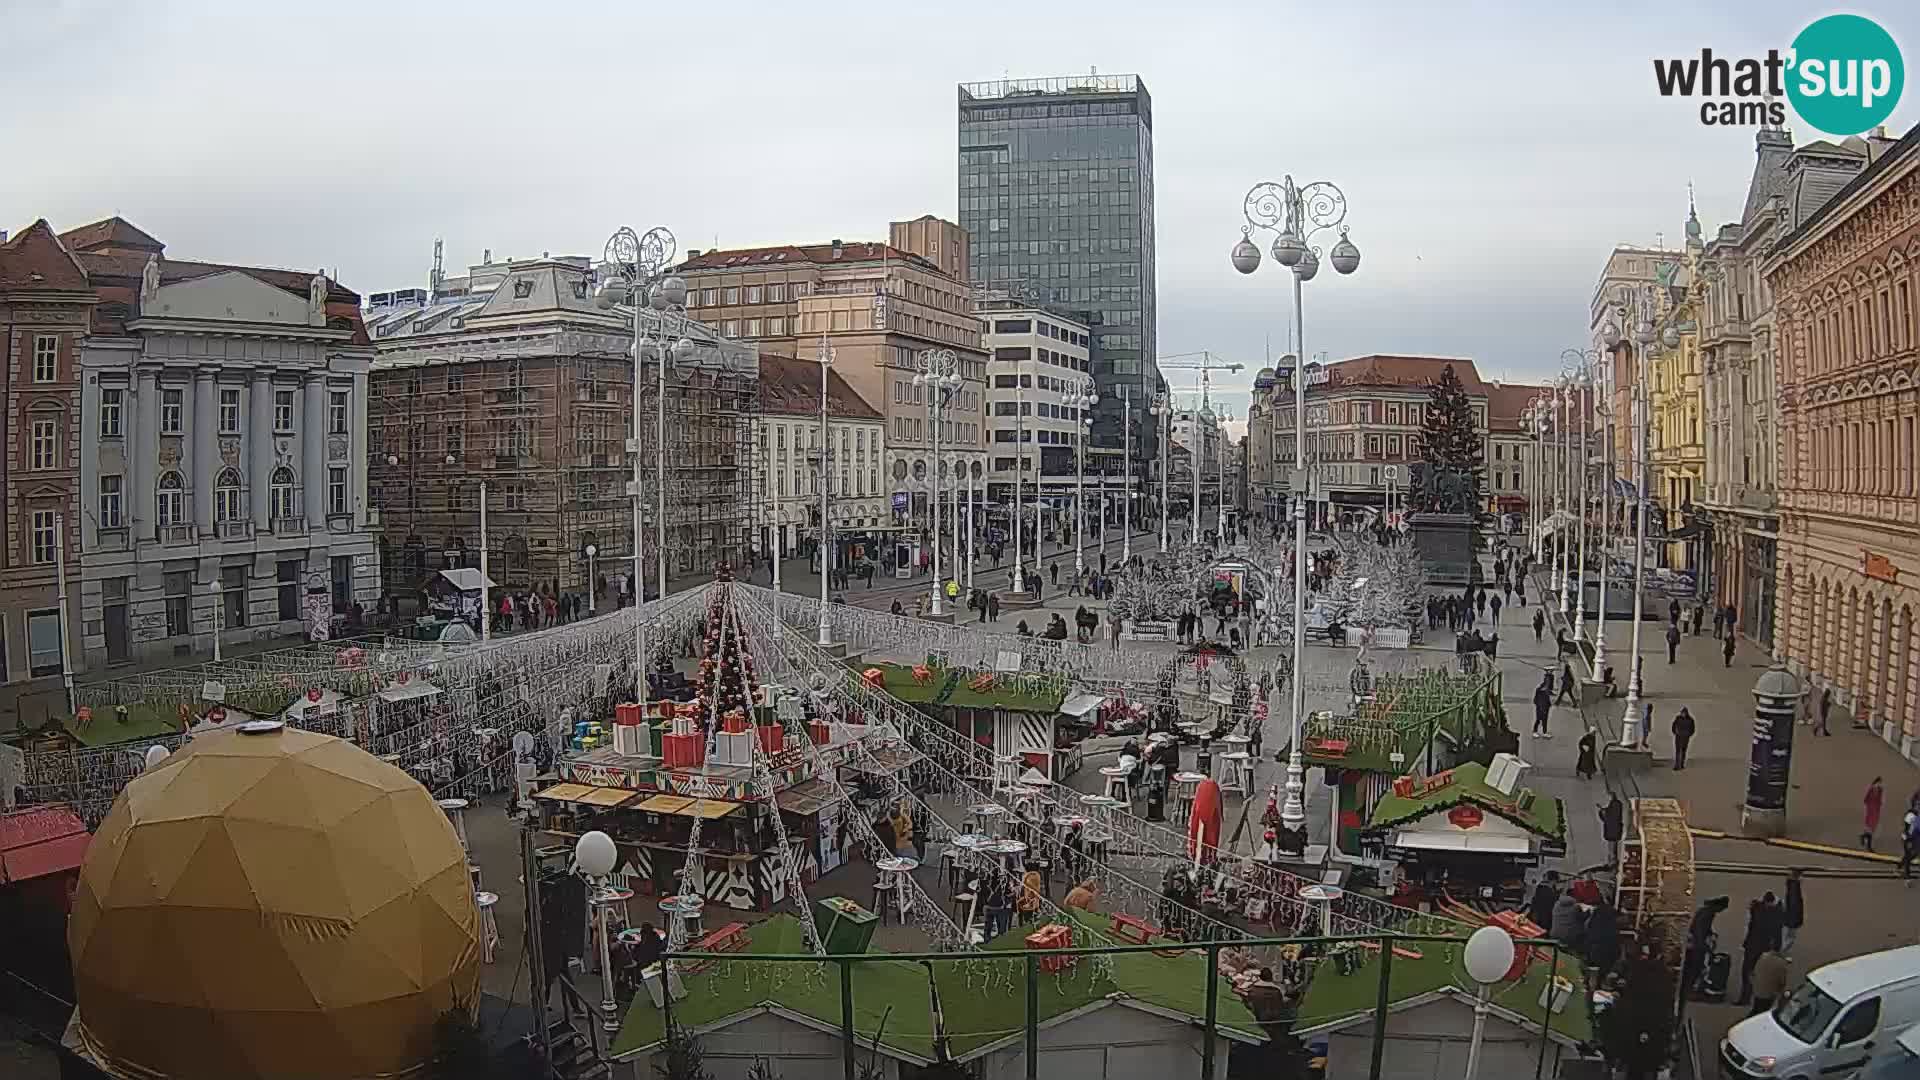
(1831, 1024)
(1899, 1061)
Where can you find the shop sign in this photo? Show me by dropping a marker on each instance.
(1466, 816)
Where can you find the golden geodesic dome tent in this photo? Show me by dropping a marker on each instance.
(272, 903)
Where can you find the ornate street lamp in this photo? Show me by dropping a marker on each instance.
(940, 374)
(1296, 214)
(1081, 401)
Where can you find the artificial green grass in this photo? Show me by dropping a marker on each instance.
(1333, 996)
(145, 720)
(894, 992)
(1546, 816)
(952, 686)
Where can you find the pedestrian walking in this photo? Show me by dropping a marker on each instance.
(1719, 621)
(1673, 612)
(1588, 762)
(1543, 704)
(1539, 624)
(1566, 685)
(1826, 706)
(1495, 605)
(1763, 935)
(1053, 570)
(1613, 820)
(993, 607)
(1603, 939)
(1870, 816)
(1673, 640)
(1793, 913)
(1726, 650)
(1682, 735)
(1545, 895)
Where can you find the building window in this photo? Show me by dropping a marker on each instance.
(337, 413)
(456, 438)
(226, 496)
(229, 412)
(776, 327)
(514, 497)
(753, 294)
(337, 492)
(456, 380)
(45, 650)
(709, 297)
(753, 327)
(45, 445)
(776, 294)
(171, 503)
(43, 532)
(283, 410)
(178, 587)
(287, 591)
(733, 295)
(171, 404)
(46, 358)
(233, 596)
(110, 505)
(730, 328)
(341, 573)
(110, 401)
(283, 494)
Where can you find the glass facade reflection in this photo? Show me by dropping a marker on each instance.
(1056, 189)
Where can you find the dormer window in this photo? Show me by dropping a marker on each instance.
(522, 288)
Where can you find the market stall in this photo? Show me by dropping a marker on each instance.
(1030, 717)
(1468, 834)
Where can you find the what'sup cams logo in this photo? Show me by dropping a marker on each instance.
(1843, 75)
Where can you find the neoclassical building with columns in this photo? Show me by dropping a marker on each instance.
(223, 468)
(1845, 281)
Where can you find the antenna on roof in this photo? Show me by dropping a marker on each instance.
(437, 278)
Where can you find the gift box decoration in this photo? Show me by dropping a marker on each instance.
(819, 733)
(734, 722)
(734, 747)
(632, 740)
(683, 751)
(1053, 936)
(773, 738)
(627, 713)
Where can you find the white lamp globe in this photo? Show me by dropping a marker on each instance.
(1308, 266)
(1670, 337)
(1246, 256)
(595, 854)
(592, 550)
(1610, 333)
(157, 754)
(1345, 255)
(1288, 248)
(683, 350)
(609, 294)
(675, 290)
(1489, 955)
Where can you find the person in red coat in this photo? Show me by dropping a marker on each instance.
(1870, 821)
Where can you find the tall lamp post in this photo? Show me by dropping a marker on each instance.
(1126, 495)
(1019, 479)
(1202, 422)
(1564, 485)
(825, 633)
(1489, 959)
(1162, 408)
(593, 551)
(974, 472)
(639, 279)
(1536, 421)
(1220, 500)
(1081, 401)
(940, 374)
(1296, 215)
(1589, 365)
(1582, 388)
(1642, 338)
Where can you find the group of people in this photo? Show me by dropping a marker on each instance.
(1766, 947)
(535, 611)
(1579, 917)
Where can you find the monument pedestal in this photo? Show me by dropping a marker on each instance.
(1628, 758)
(1445, 544)
(1761, 822)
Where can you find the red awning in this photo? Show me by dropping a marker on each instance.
(1510, 502)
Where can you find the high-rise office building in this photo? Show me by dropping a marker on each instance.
(1056, 190)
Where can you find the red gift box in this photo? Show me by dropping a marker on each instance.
(734, 723)
(1053, 936)
(819, 732)
(627, 714)
(683, 751)
(773, 738)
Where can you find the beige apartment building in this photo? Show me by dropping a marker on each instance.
(878, 309)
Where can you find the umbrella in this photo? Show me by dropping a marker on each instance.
(1203, 825)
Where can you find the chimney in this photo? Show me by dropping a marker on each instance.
(693, 253)
(3, 236)
(837, 248)
(486, 256)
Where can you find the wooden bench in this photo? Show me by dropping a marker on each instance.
(730, 938)
(1401, 951)
(1134, 931)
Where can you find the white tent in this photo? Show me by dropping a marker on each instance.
(467, 579)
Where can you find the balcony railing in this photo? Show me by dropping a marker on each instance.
(178, 534)
(236, 528)
(292, 525)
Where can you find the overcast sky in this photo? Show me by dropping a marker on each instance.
(1491, 153)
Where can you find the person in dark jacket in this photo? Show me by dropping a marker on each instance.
(1545, 895)
(1793, 913)
(1568, 926)
(1603, 938)
(1673, 640)
(1539, 623)
(1763, 934)
(1566, 686)
(1682, 735)
(1543, 705)
(1612, 822)
(1588, 762)
(1726, 650)
(883, 828)
(1699, 938)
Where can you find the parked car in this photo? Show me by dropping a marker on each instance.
(1832, 1023)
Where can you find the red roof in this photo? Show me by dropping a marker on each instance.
(41, 841)
(1506, 402)
(1403, 371)
(35, 260)
(792, 388)
(113, 234)
(780, 255)
(116, 277)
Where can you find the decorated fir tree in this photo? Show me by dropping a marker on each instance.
(725, 678)
(1450, 449)
(1376, 584)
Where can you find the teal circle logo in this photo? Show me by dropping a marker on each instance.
(1846, 75)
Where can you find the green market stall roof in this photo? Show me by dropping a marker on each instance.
(954, 686)
(1332, 997)
(895, 991)
(1540, 814)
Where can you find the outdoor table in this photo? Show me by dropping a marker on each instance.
(455, 810)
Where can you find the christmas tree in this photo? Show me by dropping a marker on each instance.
(1450, 450)
(1377, 584)
(725, 678)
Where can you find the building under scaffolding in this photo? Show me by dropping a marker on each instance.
(514, 378)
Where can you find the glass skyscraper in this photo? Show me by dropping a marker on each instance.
(1056, 189)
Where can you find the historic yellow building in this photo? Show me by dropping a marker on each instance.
(1676, 439)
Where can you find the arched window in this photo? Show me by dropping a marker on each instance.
(172, 502)
(227, 501)
(283, 494)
